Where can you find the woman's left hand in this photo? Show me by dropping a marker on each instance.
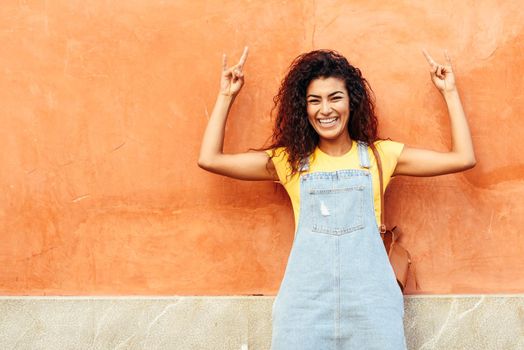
(424, 162)
(441, 75)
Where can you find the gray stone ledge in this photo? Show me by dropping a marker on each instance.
(494, 321)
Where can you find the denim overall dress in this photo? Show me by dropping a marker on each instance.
(339, 290)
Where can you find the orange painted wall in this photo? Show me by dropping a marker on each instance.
(103, 106)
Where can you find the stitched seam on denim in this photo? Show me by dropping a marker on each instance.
(363, 154)
(346, 173)
(336, 190)
(337, 316)
(344, 230)
(336, 231)
(300, 219)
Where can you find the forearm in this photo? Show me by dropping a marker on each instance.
(213, 139)
(460, 135)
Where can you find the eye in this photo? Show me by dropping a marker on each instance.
(336, 98)
(313, 101)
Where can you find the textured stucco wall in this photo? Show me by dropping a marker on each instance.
(103, 106)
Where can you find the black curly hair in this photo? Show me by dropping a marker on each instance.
(292, 129)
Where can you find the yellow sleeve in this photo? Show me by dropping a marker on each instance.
(389, 153)
(280, 161)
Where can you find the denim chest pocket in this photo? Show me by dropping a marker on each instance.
(336, 211)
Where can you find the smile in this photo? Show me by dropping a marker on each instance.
(326, 122)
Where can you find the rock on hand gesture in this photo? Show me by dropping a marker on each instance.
(232, 78)
(441, 75)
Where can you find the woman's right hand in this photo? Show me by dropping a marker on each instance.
(243, 166)
(232, 78)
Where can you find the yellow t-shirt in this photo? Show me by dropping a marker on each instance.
(389, 152)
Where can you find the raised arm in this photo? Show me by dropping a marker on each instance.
(243, 166)
(423, 162)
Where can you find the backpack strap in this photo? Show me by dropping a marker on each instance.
(380, 176)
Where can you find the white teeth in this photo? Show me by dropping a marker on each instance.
(327, 121)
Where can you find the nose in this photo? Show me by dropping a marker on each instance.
(325, 108)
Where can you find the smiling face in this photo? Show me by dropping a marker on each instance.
(328, 108)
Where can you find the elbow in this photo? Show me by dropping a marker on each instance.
(470, 163)
(203, 164)
(206, 163)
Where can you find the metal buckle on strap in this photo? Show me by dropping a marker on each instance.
(303, 164)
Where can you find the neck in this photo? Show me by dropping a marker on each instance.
(335, 147)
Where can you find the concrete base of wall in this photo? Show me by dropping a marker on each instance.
(244, 323)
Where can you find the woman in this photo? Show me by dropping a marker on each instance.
(339, 290)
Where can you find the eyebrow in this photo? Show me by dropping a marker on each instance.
(331, 94)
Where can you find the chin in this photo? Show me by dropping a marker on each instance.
(329, 135)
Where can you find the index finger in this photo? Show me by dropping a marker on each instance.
(243, 58)
(446, 53)
(430, 60)
(224, 62)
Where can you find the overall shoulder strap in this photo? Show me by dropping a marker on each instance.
(304, 163)
(363, 154)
